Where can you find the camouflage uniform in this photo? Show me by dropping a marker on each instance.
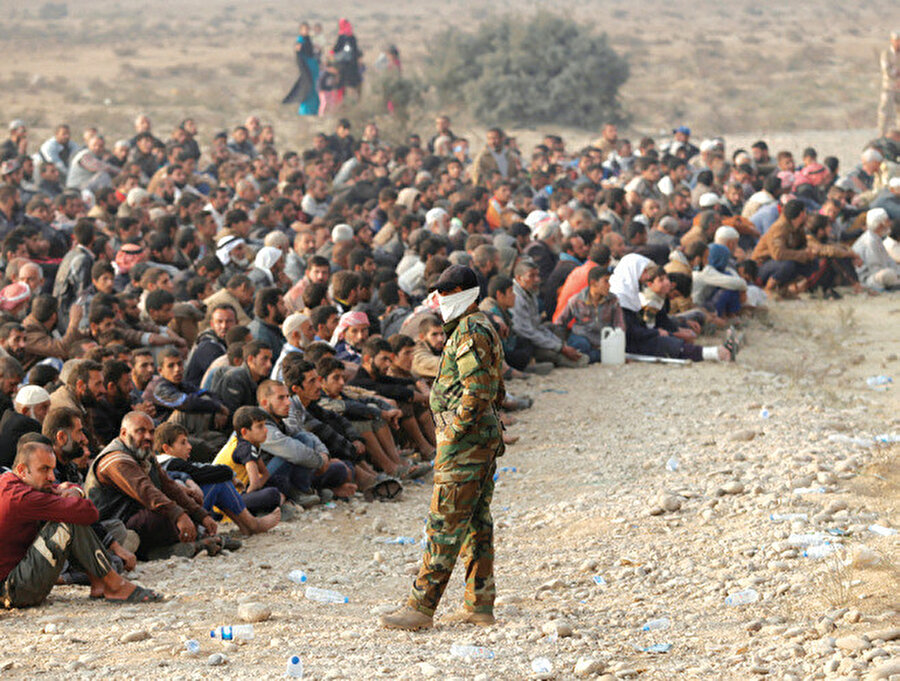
(464, 399)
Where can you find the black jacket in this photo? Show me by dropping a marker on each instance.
(208, 349)
(14, 425)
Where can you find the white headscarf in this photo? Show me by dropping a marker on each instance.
(265, 259)
(625, 281)
(225, 246)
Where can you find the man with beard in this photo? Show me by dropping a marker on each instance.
(83, 390)
(39, 327)
(111, 409)
(74, 274)
(485, 263)
(43, 525)
(238, 386)
(127, 483)
(11, 374)
(30, 406)
(429, 346)
(12, 340)
(268, 314)
(210, 344)
(64, 428)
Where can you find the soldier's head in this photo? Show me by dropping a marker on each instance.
(458, 291)
(376, 356)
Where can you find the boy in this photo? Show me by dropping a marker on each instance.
(241, 455)
(214, 483)
(589, 311)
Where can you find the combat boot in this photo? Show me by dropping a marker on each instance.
(482, 619)
(408, 619)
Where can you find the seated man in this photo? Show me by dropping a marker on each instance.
(30, 406)
(42, 525)
(785, 260)
(529, 324)
(878, 270)
(299, 457)
(126, 482)
(429, 346)
(589, 311)
(373, 375)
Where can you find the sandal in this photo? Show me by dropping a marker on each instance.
(139, 595)
(732, 343)
(385, 488)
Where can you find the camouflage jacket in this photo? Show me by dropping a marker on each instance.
(470, 382)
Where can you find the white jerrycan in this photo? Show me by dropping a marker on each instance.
(612, 346)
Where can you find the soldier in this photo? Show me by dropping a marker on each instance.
(889, 106)
(465, 398)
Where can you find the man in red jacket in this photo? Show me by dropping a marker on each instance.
(41, 526)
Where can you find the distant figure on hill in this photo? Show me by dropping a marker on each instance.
(346, 56)
(304, 89)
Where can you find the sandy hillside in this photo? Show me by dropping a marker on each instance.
(590, 475)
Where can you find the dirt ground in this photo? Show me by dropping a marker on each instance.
(590, 472)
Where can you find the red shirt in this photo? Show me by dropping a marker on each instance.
(22, 511)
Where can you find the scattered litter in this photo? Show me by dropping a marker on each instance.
(657, 648)
(788, 517)
(657, 624)
(743, 597)
(599, 581)
(879, 383)
(882, 530)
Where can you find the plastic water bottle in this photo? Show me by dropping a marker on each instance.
(599, 581)
(402, 541)
(877, 381)
(809, 490)
(297, 576)
(743, 597)
(658, 648)
(325, 595)
(294, 667)
(882, 531)
(672, 464)
(809, 539)
(235, 632)
(473, 652)
(541, 665)
(819, 551)
(192, 646)
(787, 517)
(654, 625)
(764, 413)
(508, 469)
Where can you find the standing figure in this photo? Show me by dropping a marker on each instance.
(889, 106)
(346, 56)
(305, 88)
(465, 400)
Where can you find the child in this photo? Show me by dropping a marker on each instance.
(589, 311)
(214, 482)
(241, 455)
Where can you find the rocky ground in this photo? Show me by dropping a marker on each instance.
(596, 536)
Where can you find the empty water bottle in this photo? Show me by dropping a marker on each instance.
(787, 517)
(654, 625)
(743, 597)
(541, 665)
(658, 648)
(882, 530)
(192, 646)
(235, 632)
(807, 539)
(297, 576)
(325, 595)
(294, 667)
(672, 464)
(402, 541)
(473, 652)
(877, 381)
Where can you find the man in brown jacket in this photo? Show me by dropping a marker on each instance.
(85, 388)
(785, 259)
(39, 326)
(494, 156)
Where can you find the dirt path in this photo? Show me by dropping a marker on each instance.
(590, 470)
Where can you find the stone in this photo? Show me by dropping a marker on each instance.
(852, 643)
(884, 635)
(6, 665)
(254, 612)
(733, 487)
(134, 636)
(853, 615)
(864, 557)
(587, 666)
(216, 660)
(885, 670)
(429, 671)
(588, 566)
(559, 627)
(742, 436)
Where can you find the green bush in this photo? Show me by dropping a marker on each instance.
(545, 69)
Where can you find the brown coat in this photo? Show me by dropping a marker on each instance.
(783, 241)
(224, 296)
(40, 344)
(484, 163)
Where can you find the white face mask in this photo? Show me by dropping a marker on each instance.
(453, 305)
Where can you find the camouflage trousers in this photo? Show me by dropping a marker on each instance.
(459, 521)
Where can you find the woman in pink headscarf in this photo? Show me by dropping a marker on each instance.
(346, 56)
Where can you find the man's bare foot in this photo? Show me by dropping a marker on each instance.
(345, 491)
(267, 522)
